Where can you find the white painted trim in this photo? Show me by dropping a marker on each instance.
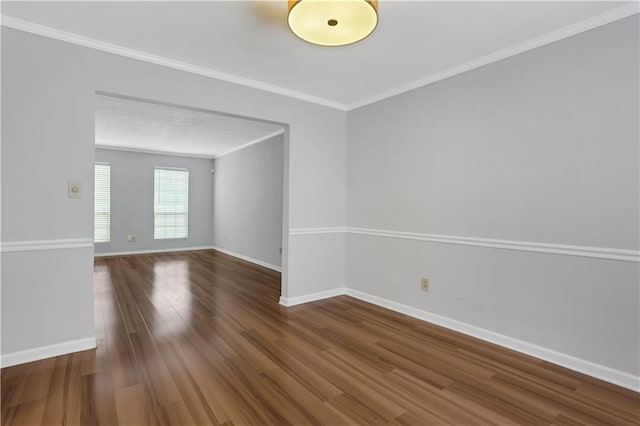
(602, 372)
(562, 33)
(151, 251)
(314, 231)
(248, 259)
(562, 249)
(42, 352)
(72, 243)
(102, 145)
(179, 249)
(292, 301)
(41, 30)
(260, 139)
(592, 369)
(607, 253)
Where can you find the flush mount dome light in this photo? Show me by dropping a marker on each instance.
(333, 22)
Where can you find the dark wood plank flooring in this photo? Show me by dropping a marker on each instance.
(199, 338)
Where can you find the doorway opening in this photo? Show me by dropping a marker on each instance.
(176, 178)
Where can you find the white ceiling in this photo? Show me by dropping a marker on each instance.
(415, 42)
(150, 127)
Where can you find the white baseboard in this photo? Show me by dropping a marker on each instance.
(169, 250)
(292, 301)
(151, 251)
(42, 352)
(248, 259)
(598, 371)
(589, 368)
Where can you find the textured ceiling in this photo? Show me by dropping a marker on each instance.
(251, 40)
(145, 126)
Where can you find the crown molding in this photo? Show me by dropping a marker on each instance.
(33, 28)
(557, 35)
(562, 33)
(260, 139)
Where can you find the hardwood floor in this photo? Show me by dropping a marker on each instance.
(199, 338)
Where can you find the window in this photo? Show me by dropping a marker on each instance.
(170, 203)
(102, 203)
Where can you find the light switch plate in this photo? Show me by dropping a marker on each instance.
(74, 189)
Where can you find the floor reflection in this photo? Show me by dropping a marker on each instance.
(171, 294)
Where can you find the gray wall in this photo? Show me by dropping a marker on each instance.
(541, 147)
(48, 93)
(132, 200)
(247, 206)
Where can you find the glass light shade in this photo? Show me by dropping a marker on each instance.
(333, 22)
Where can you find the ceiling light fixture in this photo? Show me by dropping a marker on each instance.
(333, 22)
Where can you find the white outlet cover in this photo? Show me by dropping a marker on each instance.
(74, 189)
(424, 284)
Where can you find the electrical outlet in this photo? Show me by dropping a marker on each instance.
(424, 284)
(131, 238)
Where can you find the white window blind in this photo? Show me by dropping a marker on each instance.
(170, 203)
(102, 203)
